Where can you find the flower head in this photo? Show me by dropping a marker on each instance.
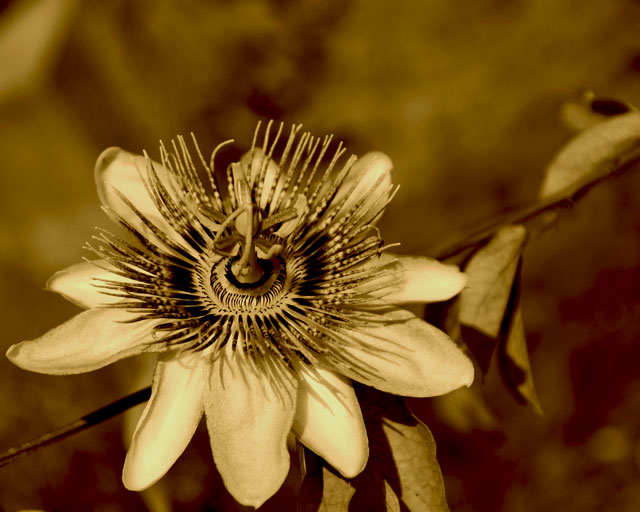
(263, 290)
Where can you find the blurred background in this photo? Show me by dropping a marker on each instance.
(464, 97)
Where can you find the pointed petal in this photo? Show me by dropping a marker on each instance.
(420, 279)
(409, 357)
(168, 422)
(119, 170)
(79, 283)
(252, 162)
(90, 340)
(329, 422)
(368, 180)
(299, 205)
(248, 418)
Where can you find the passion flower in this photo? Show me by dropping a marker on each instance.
(264, 290)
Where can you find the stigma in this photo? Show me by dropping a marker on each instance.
(248, 230)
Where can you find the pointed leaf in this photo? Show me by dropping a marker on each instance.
(586, 110)
(595, 152)
(322, 489)
(402, 474)
(414, 449)
(465, 410)
(336, 492)
(491, 271)
(421, 486)
(513, 356)
(514, 364)
(373, 493)
(391, 499)
(403, 452)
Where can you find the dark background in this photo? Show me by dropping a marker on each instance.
(464, 97)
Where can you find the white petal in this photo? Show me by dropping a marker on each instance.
(420, 279)
(329, 422)
(409, 357)
(168, 422)
(90, 340)
(119, 170)
(299, 205)
(369, 180)
(79, 284)
(253, 163)
(248, 419)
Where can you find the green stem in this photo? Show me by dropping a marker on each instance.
(522, 216)
(91, 419)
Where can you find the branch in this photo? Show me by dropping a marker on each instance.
(91, 419)
(528, 213)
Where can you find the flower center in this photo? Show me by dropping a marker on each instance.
(267, 261)
(249, 226)
(232, 295)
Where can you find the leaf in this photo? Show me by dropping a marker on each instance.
(587, 110)
(336, 492)
(402, 474)
(403, 453)
(513, 356)
(595, 152)
(391, 499)
(322, 490)
(373, 493)
(465, 410)
(414, 451)
(490, 276)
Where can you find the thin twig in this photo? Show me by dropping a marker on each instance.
(91, 419)
(526, 214)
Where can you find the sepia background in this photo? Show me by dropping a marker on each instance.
(465, 97)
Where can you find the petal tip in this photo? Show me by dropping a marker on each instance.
(53, 283)
(252, 497)
(452, 279)
(353, 470)
(104, 162)
(22, 356)
(378, 159)
(253, 494)
(468, 372)
(374, 166)
(68, 283)
(135, 476)
(253, 502)
(13, 354)
(459, 279)
(107, 157)
(133, 481)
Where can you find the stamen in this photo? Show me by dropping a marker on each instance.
(247, 269)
